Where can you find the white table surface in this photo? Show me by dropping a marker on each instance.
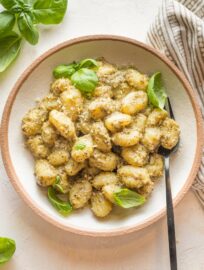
(41, 246)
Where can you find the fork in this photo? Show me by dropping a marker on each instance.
(169, 203)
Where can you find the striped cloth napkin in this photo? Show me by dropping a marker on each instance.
(178, 32)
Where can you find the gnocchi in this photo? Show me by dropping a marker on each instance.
(136, 155)
(156, 117)
(152, 138)
(109, 190)
(103, 91)
(103, 179)
(63, 124)
(72, 167)
(155, 166)
(91, 147)
(80, 193)
(103, 161)
(127, 137)
(134, 177)
(136, 79)
(73, 102)
(134, 102)
(117, 121)
(32, 121)
(37, 147)
(45, 173)
(48, 133)
(100, 206)
(50, 102)
(64, 180)
(101, 136)
(58, 157)
(83, 148)
(60, 85)
(100, 107)
(170, 133)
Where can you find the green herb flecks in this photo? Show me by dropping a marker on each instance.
(79, 146)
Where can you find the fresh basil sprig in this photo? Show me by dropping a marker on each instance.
(63, 207)
(127, 198)
(81, 74)
(24, 16)
(7, 249)
(156, 91)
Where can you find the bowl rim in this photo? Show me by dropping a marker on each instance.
(5, 146)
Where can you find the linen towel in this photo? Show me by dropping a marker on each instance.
(178, 32)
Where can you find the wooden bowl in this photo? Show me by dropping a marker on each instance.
(34, 83)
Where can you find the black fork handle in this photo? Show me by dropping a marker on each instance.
(170, 218)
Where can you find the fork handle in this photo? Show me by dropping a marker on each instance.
(170, 218)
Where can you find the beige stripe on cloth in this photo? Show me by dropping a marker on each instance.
(178, 32)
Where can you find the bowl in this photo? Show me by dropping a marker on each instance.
(34, 83)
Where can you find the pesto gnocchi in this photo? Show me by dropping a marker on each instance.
(90, 147)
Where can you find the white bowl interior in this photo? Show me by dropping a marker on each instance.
(37, 86)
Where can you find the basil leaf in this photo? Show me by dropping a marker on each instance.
(9, 49)
(57, 185)
(156, 91)
(80, 146)
(27, 28)
(85, 80)
(49, 11)
(64, 71)
(7, 249)
(127, 198)
(64, 208)
(8, 4)
(7, 21)
(88, 63)
(21, 6)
